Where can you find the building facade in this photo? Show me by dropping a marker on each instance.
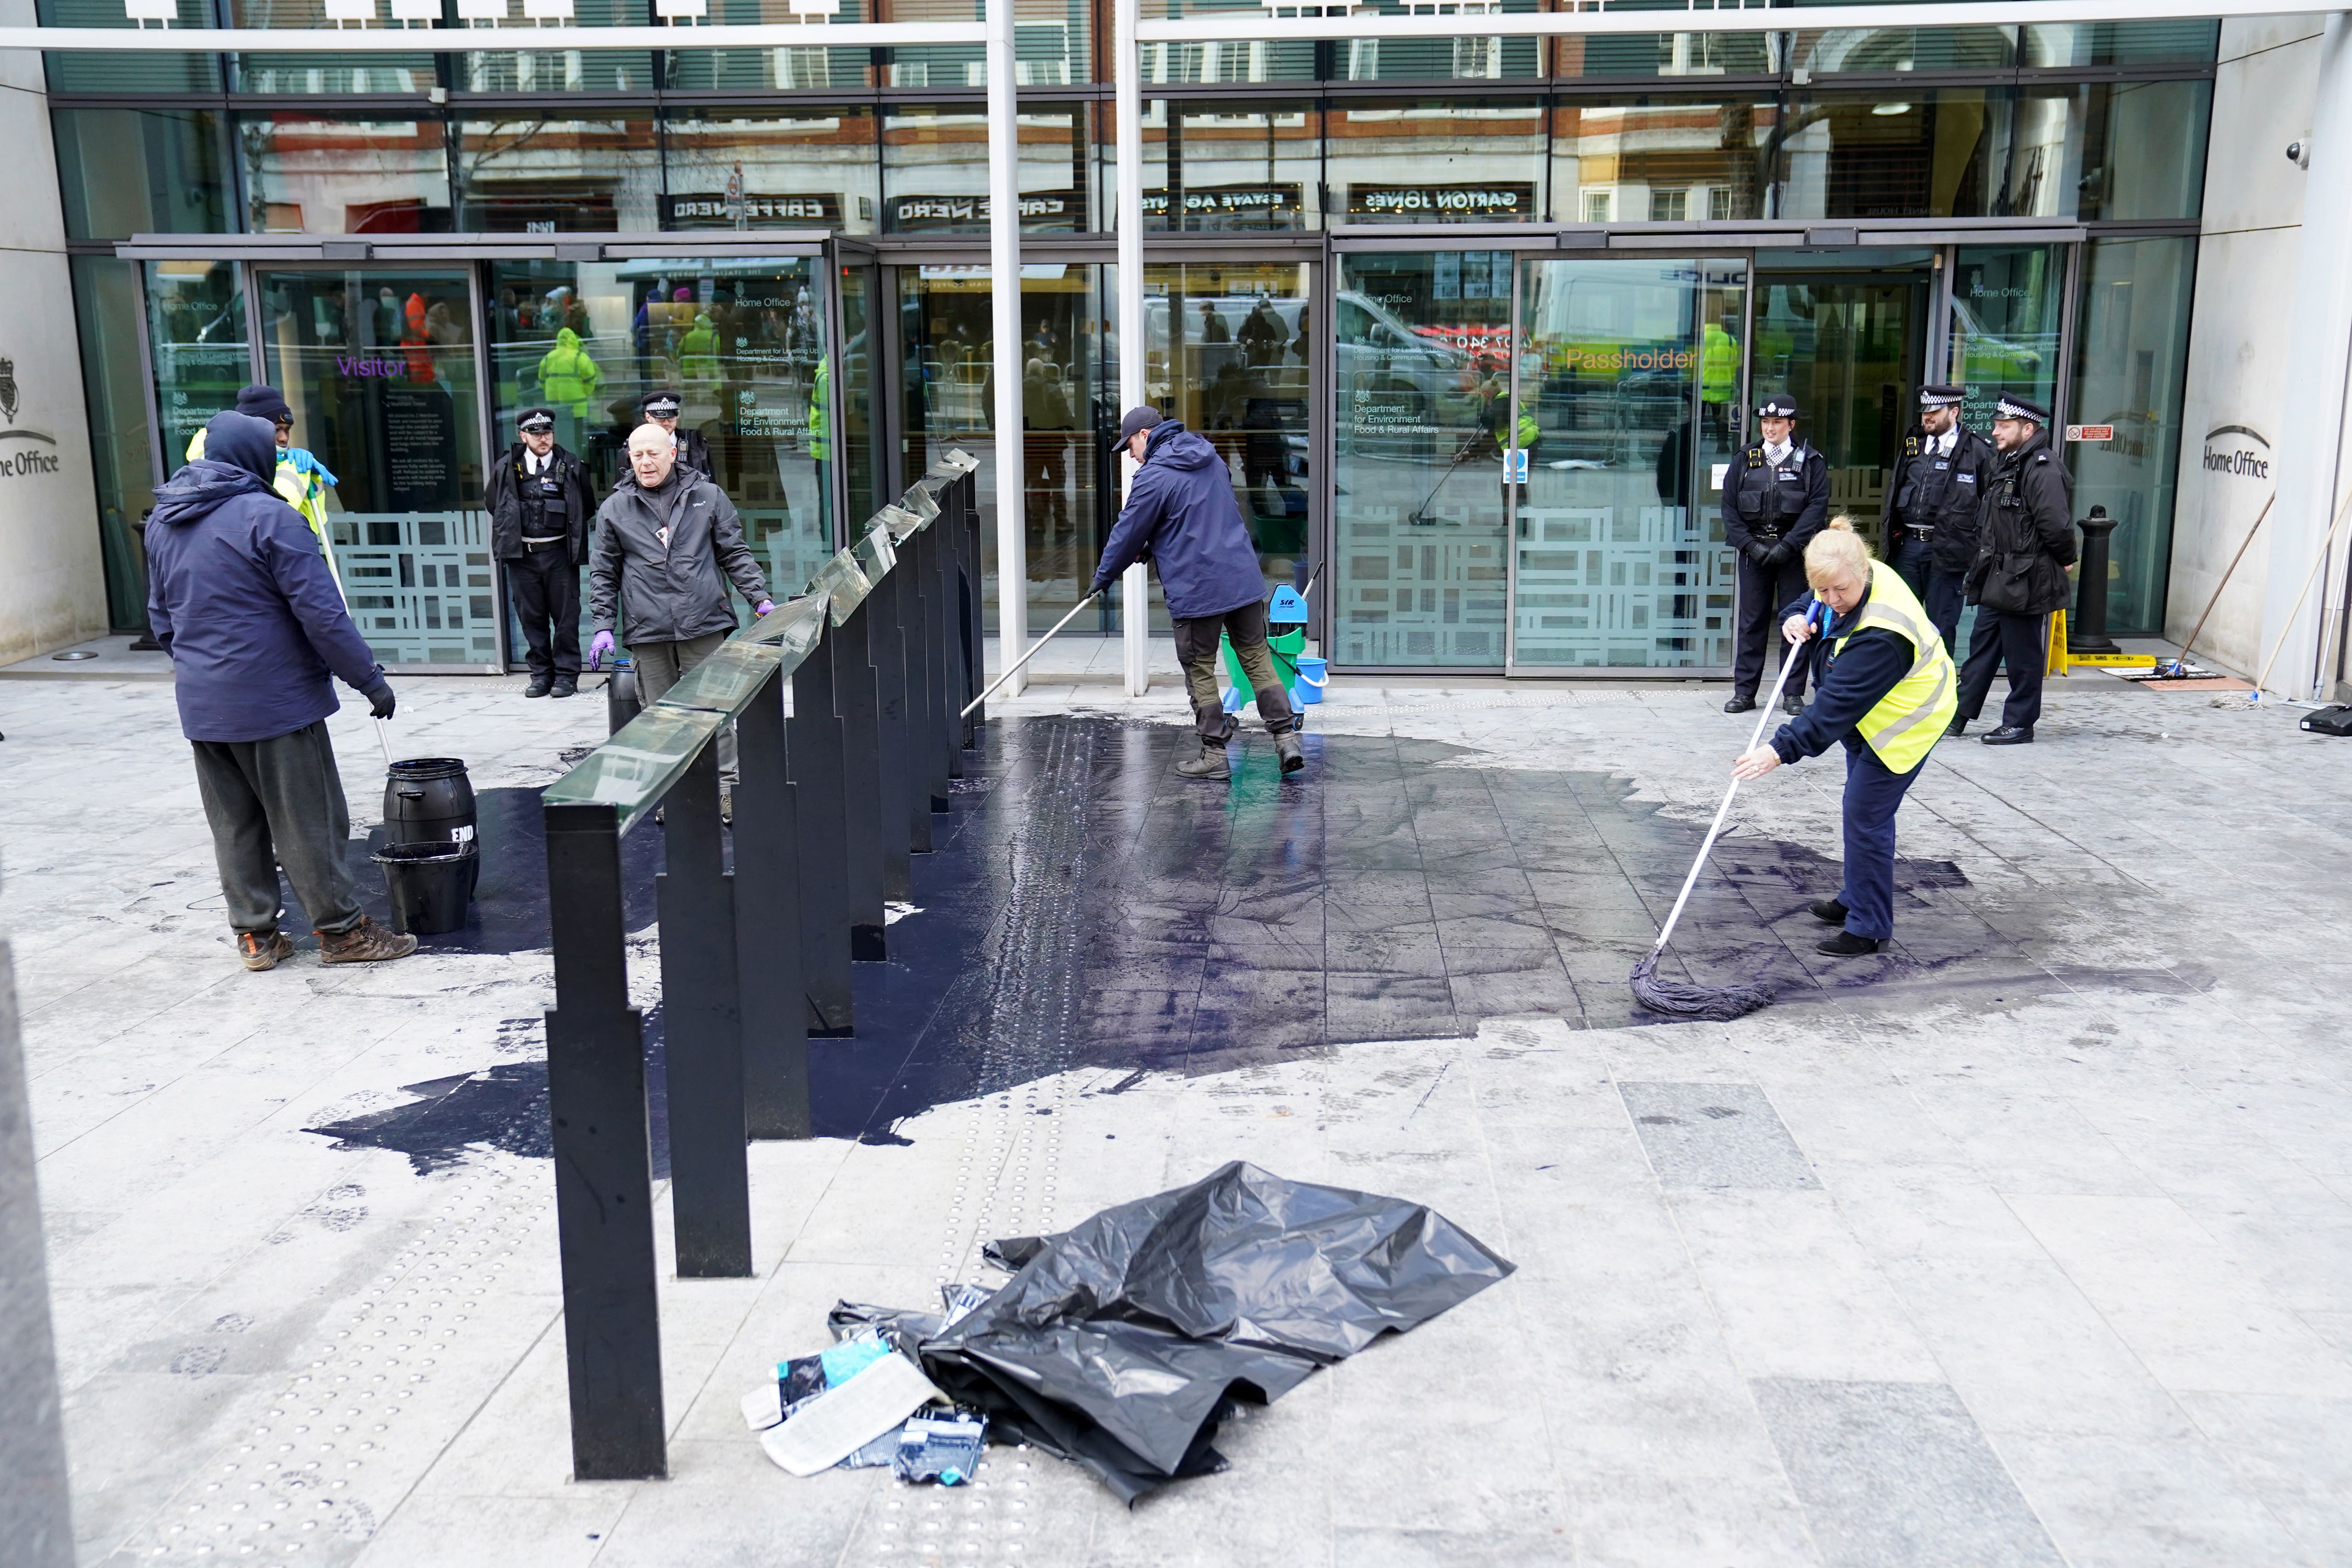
(1372, 271)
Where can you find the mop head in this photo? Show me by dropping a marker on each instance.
(1719, 1003)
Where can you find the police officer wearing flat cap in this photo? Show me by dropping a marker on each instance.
(540, 503)
(692, 449)
(1929, 520)
(2025, 543)
(1776, 497)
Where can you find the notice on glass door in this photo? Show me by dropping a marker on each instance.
(420, 449)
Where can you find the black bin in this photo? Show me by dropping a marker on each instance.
(620, 703)
(428, 800)
(430, 885)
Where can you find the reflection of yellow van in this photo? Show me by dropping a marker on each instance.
(1988, 356)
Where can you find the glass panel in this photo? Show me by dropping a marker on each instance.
(811, 169)
(793, 627)
(1231, 166)
(114, 72)
(325, 74)
(106, 309)
(1610, 567)
(1237, 373)
(565, 71)
(788, 69)
(1243, 60)
(859, 441)
(1639, 160)
(1049, 45)
(1848, 346)
(949, 381)
(2144, 149)
(632, 770)
(840, 585)
(1905, 49)
(935, 170)
(1947, 152)
(1466, 162)
(378, 365)
(728, 679)
(1422, 60)
(2186, 40)
(2131, 355)
(136, 171)
(1664, 54)
(1421, 365)
(196, 330)
(554, 176)
(340, 176)
(2005, 325)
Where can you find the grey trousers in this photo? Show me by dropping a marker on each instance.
(661, 664)
(279, 802)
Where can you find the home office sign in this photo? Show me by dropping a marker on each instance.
(24, 453)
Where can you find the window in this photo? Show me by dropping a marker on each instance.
(1669, 206)
(813, 168)
(130, 171)
(308, 176)
(1596, 206)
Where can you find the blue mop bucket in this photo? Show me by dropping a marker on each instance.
(1312, 680)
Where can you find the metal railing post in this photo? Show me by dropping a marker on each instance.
(772, 1019)
(973, 627)
(916, 594)
(886, 649)
(815, 748)
(711, 1194)
(603, 1159)
(940, 589)
(861, 765)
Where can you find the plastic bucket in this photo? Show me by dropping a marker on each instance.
(1311, 680)
(429, 884)
(428, 800)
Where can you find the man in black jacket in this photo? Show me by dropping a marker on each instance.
(539, 502)
(693, 448)
(1776, 497)
(2025, 543)
(1931, 516)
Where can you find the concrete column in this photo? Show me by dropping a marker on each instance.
(35, 1521)
(1004, 276)
(2311, 433)
(1135, 587)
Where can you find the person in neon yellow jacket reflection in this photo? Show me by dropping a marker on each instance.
(301, 479)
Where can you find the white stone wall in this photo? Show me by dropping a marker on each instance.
(52, 585)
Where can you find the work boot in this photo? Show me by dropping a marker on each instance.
(264, 948)
(1209, 765)
(1286, 746)
(1828, 911)
(539, 686)
(1958, 726)
(364, 941)
(726, 806)
(2009, 735)
(566, 685)
(1845, 944)
(1739, 703)
(1793, 703)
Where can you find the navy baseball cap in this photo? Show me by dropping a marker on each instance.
(1142, 418)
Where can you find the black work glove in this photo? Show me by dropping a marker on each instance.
(1758, 553)
(1780, 554)
(379, 698)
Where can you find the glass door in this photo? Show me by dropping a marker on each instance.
(1849, 345)
(378, 366)
(1627, 398)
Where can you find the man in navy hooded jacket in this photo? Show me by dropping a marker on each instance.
(1180, 516)
(239, 596)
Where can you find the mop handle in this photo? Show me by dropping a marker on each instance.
(1026, 657)
(384, 739)
(1706, 848)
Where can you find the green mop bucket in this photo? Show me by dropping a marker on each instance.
(1286, 638)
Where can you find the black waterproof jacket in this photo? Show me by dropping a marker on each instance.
(503, 496)
(1768, 506)
(646, 589)
(2026, 533)
(1951, 497)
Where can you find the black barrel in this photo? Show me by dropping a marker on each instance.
(620, 703)
(428, 800)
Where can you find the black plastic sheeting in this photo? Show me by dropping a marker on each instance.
(1121, 1343)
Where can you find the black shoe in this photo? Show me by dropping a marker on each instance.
(1793, 703)
(1958, 726)
(539, 686)
(1845, 944)
(1740, 704)
(2009, 735)
(566, 685)
(1828, 911)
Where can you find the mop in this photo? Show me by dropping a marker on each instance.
(1719, 1003)
(1033, 648)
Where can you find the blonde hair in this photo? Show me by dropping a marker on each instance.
(1836, 551)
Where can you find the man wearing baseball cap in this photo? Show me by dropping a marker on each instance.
(1180, 515)
(693, 450)
(540, 503)
(2025, 543)
(1776, 497)
(1929, 516)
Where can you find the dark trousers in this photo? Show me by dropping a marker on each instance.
(1873, 791)
(2022, 642)
(545, 587)
(662, 665)
(1196, 649)
(1762, 595)
(1938, 590)
(273, 803)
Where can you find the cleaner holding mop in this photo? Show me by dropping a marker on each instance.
(1180, 515)
(1886, 689)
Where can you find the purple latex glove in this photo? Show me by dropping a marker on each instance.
(598, 646)
(764, 608)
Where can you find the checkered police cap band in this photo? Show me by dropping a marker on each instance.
(2017, 408)
(662, 403)
(1941, 396)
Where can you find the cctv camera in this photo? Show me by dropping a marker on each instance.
(2296, 155)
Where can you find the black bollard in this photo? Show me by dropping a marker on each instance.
(2086, 633)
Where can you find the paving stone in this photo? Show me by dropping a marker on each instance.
(1714, 1135)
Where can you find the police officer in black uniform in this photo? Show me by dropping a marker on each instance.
(2025, 543)
(1776, 497)
(1930, 515)
(693, 448)
(540, 503)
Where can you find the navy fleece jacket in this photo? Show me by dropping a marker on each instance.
(1180, 516)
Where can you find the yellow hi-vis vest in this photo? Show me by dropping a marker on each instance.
(1908, 721)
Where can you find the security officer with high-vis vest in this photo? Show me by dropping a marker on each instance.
(1886, 688)
(1776, 498)
(1929, 518)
